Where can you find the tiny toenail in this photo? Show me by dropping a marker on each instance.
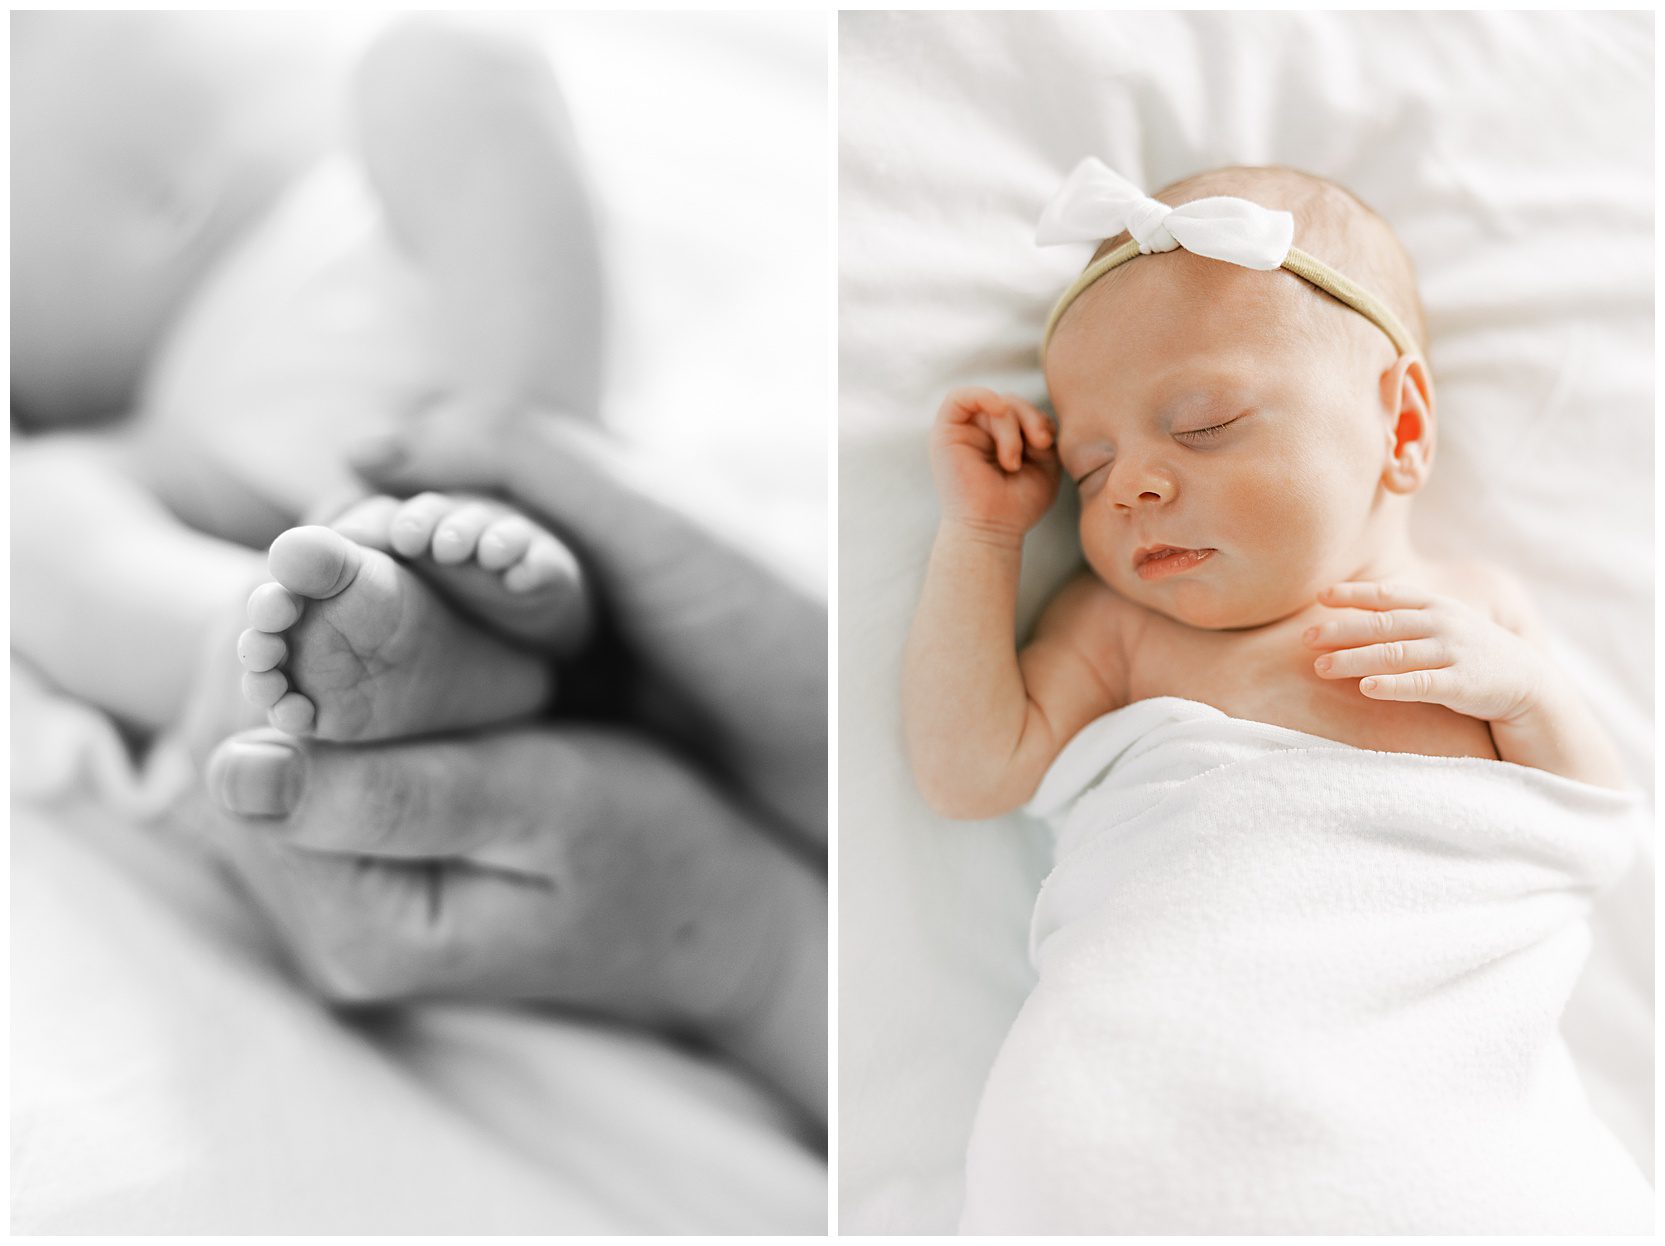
(258, 779)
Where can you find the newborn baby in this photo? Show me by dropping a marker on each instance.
(1300, 959)
(132, 222)
(1246, 448)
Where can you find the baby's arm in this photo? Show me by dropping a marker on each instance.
(466, 141)
(112, 596)
(983, 723)
(1405, 644)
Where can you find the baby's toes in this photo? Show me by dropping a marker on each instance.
(273, 608)
(260, 651)
(264, 689)
(293, 713)
(458, 534)
(546, 563)
(414, 522)
(505, 542)
(314, 562)
(369, 522)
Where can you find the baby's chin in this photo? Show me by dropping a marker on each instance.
(1210, 607)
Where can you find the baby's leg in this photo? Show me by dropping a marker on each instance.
(485, 558)
(347, 644)
(468, 145)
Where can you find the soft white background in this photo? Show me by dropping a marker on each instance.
(1512, 152)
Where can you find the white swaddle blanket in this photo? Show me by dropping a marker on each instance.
(1288, 985)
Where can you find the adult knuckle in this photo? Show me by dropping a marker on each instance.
(363, 970)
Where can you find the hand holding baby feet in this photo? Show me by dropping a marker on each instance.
(1404, 644)
(993, 459)
(485, 558)
(347, 644)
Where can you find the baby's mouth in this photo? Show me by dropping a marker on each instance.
(1155, 561)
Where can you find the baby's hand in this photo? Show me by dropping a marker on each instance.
(993, 460)
(1404, 644)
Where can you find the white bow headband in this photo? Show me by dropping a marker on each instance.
(1095, 203)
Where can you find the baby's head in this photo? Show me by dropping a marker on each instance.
(1245, 416)
(142, 143)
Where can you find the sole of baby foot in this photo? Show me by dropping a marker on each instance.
(486, 559)
(347, 644)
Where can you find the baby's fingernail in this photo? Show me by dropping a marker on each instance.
(1323, 664)
(1310, 635)
(256, 778)
(1367, 685)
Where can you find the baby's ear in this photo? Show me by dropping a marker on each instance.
(1408, 415)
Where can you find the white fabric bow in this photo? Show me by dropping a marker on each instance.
(1096, 203)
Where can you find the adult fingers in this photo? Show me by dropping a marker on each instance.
(697, 609)
(737, 650)
(404, 800)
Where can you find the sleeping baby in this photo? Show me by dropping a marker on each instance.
(215, 295)
(1327, 815)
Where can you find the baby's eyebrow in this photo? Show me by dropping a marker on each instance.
(1205, 397)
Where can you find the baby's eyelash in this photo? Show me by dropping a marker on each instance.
(1213, 430)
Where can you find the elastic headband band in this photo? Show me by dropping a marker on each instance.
(1097, 203)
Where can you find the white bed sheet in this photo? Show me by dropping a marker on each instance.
(167, 1076)
(1513, 154)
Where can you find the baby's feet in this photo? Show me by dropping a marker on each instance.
(348, 644)
(485, 558)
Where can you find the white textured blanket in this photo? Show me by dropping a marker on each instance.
(1291, 986)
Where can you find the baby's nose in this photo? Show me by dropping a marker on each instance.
(1143, 485)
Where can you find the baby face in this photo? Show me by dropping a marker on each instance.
(1228, 437)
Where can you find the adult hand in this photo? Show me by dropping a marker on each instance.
(740, 653)
(574, 865)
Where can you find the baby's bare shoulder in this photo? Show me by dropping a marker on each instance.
(1087, 622)
(1489, 587)
(1086, 611)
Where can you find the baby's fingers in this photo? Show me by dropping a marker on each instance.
(1435, 686)
(1351, 628)
(963, 405)
(1375, 595)
(1391, 658)
(1008, 439)
(1036, 427)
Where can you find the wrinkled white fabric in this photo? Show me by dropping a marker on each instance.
(1286, 985)
(1096, 203)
